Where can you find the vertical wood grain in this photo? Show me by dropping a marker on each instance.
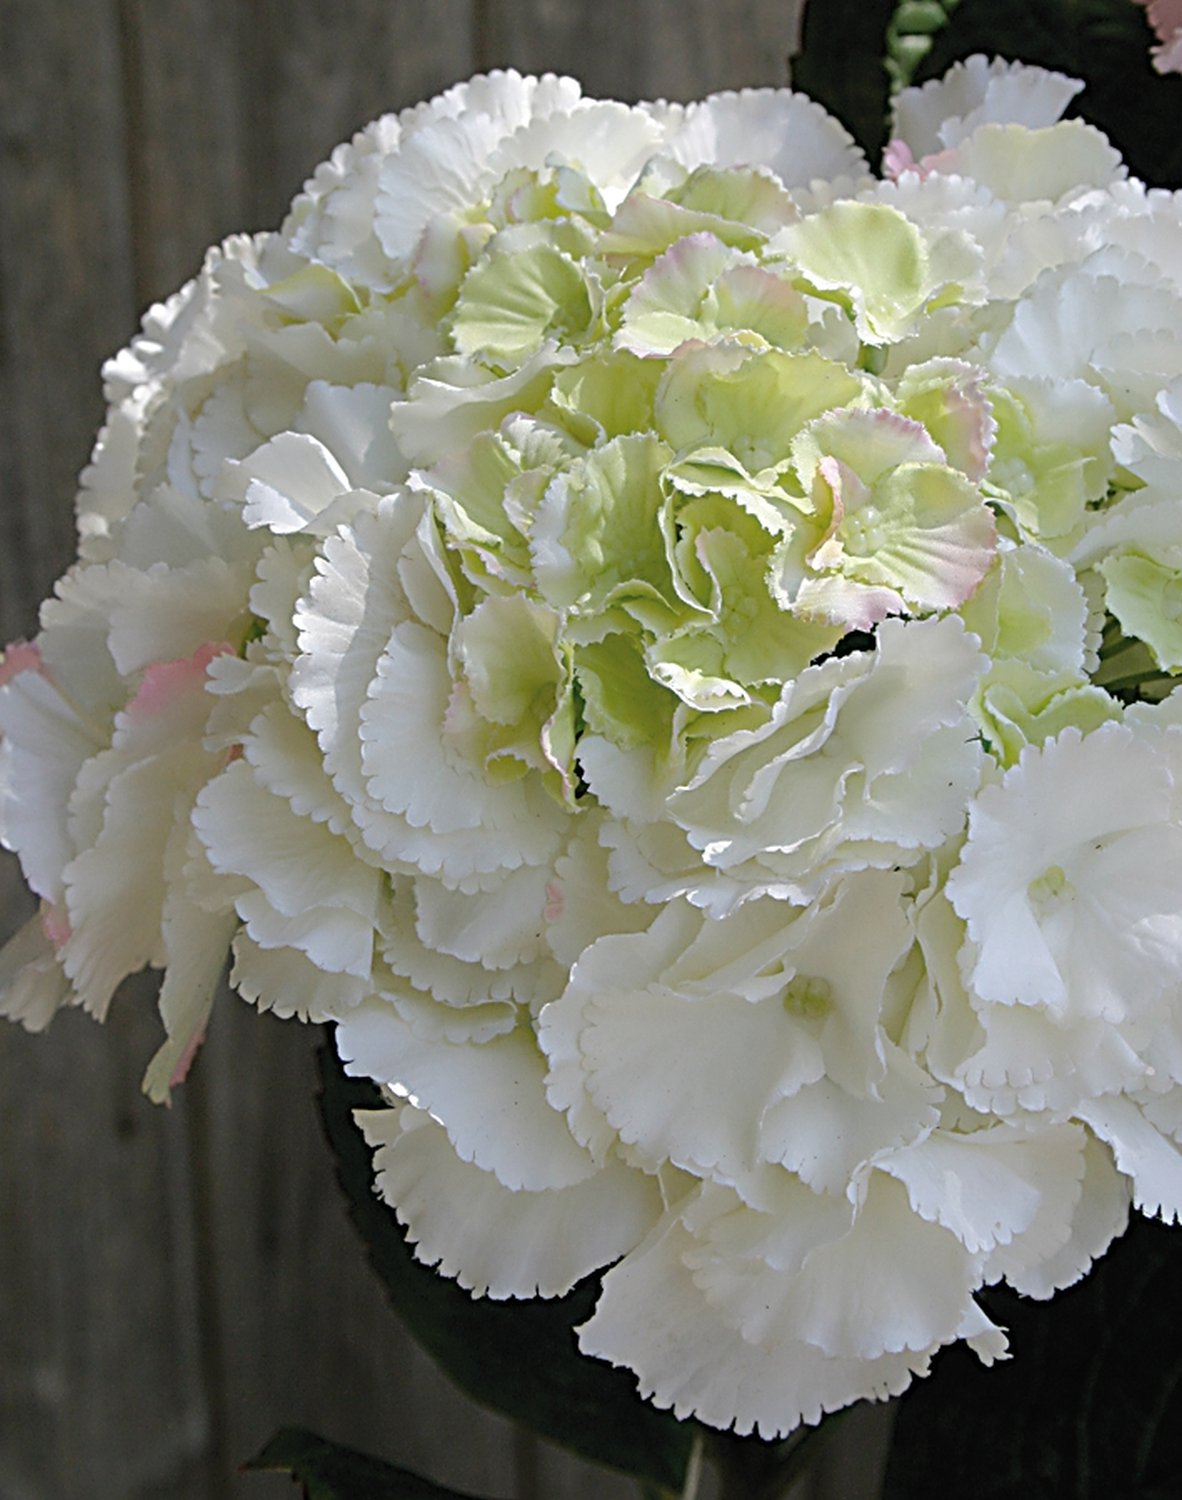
(318, 70)
(100, 1389)
(674, 49)
(66, 294)
(186, 150)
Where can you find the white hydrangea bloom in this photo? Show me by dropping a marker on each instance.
(666, 640)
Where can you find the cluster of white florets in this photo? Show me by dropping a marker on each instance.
(666, 640)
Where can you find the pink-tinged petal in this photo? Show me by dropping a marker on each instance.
(21, 656)
(831, 478)
(897, 159)
(968, 437)
(164, 681)
(1165, 16)
(55, 923)
(948, 398)
(938, 161)
(33, 986)
(842, 601)
(555, 902)
(181, 1071)
(911, 525)
(1168, 57)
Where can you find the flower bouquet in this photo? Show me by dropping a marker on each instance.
(666, 639)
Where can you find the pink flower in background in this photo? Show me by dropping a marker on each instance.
(1165, 16)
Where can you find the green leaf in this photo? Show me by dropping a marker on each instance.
(329, 1472)
(841, 65)
(520, 1358)
(1104, 42)
(1089, 1408)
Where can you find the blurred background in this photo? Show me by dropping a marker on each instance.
(175, 1284)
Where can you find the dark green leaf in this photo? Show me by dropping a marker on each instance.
(1104, 42)
(841, 65)
(1089, 1408)
(519, 1358)
(329, 1472)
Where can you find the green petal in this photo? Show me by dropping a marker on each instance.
(598, 538)
(514, 668)
(870, 252)
(752, 405)
(620, 699)
(1018, 706)
(930, 536)
(700, 289)
(517, 294)
(606, 396)
(875, 262)
(1145, 595)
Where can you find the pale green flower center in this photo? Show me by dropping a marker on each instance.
(808, 996)
(1050, 889)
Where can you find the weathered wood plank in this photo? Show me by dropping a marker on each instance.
(100, 1375)
(187, 140)
(65, 276)
(100, 1392)
(315, 71)
(674, 49)
(306, 1333)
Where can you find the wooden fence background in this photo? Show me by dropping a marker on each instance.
(176, 1284)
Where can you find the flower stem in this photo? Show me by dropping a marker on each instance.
(695, 1469)
(748, 1469)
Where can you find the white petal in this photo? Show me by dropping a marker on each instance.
(163, 614)
(990, 1187)
(353, 603)
(825, 1134)
(490, 1097)
(33, 984)
(495, 1241)
(457, 981)
(498, 928)
(413, 775)
(285, 484)
(609, 141)
(1028, 1062)
(443, 167)
(434, 1021)
(353, 424)
(126, 804)
(941, 112)
(688, 1355)
(1071, 878)
(1101, 1214)
(286, 981)
(1152, 1160)
(282, 751)
(43, 746)
(893, 1283)
(311, 892)
(773, 128)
